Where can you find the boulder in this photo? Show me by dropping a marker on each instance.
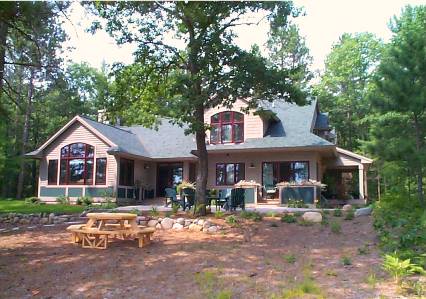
(152, 223)
(195, 227)
(314, 217)
(206, 224)
(201, 222)
(187, 222)
(212, 229)
(177, 226)
(181, 221)
(15, 219)
(167, 223)
(143, 223)
(347, 208)
(44, 220)
(363, 211)
(24, 221)
(158, 226)
(51, 217)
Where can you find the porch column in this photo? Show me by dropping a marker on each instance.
(186, 171)
(361, 181)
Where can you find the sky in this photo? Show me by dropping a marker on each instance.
(325, 21)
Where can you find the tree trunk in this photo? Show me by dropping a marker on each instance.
(419, 165)
(20, 185)
(3, 39)
(202, 173)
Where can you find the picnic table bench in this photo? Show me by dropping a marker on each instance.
(98, 229)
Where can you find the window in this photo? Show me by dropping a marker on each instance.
(76, 164)
(276, 172)
(100, 177)
(52, 172)
(126, 172)
(229, 173)
(227, 127)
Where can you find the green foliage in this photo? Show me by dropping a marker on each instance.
(184, 185)
(325, 220)
(154, 212)
(211, 286)
(255, 216)
(32, 200)
(219, 214)
(346, 260)
(335, 227)
(363, 250)
(231, 219)
(303, 222)
(288, 218)
(400, 268)
(337, 213)
(135, 211)
(65, 200)
(175, 208)
(85, 201)
(20, 206)
(271, 214)
(289, 258)
(296, 203)
(350, 214)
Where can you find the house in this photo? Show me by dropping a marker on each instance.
(275, 143)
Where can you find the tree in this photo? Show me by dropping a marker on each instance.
(210, 70)
(401, 82)
(288, 50)
(345, 85)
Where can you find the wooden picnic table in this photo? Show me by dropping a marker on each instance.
(100, 226)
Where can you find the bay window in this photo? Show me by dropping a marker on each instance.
(76, 164)
(229, 173)
(227, 127)
(100, 175)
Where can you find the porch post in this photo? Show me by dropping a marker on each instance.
(361, 181)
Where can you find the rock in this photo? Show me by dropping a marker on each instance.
(195, 221)
(206, 224)
(15, 219)
(201, 222)
(363, 211)
(24, 221)
(312, 217)
(167, 223)
(143, 223)
(195, 227)
(347, 208)
(187, 222)
(58, 220)
(212, 229)
(51, 217)
(152, 223)
(158, 226)
(181, 221)
(44, 220)
(35, 220)
(177, 226)
(160, 219)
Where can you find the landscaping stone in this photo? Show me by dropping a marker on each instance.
(177, 226)
(314, 217)
(44, 220)
(51, 217)
(143, 222)
(158, 226)
(363, 211)
(152, 223)
(206, 224)
(181, 221)
(24, 221)
(201, 222)
(187, 222)
(15, 219)
(347, 208)
(167, 223)
(195, 227)
(212, 229)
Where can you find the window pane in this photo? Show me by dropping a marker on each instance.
(226, 133)
(300, 171)
(226, 116)
(220, 174)
(268, 175)
(126, 172)
(230, 174)
(101, 170)
(77, 150)
(214, 134)
(89, 171)
(90, 151)
(238, 132)
(238, 117)
(76, 171)
(239, 172)
(63, 172)
(285, 172)
(52, 172)
(215, 118)
(177, 176)
(64, 151)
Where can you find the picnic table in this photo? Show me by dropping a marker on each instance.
(102, 226)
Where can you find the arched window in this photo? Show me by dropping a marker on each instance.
(77, 164)
(227, 127)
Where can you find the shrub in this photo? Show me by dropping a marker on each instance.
(350, 214)
(346, 261)
(175, 208)
(363, 250)
(84, 200)
(399, 268)
(296, 203)
(303, 222)
(298, 214)
(324, 220)
(135, 211)
(183, 185)
(231, 219)
(65, 200)
(271, 214)
(288, 218)
(326, 212)
(154, 212)
(289, 258)
(335, 227)
(219, 214)
(337, 213)
(32, 200)
(255, 216)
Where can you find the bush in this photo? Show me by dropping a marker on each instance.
(84, 200)
(350, 214)
(135, 211)
(271, 214)
(324, 220)
(346, 261)
(183, 185)
(175, 208)
(255, 216)
(219, 214)
(399, 268)
(231, 219)
(288, 218)
(154, 212)
(335, 227)
(296, 203)
(65, 200)
(337, 213)
(33, 200)
(289, 258)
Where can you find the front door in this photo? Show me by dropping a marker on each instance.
(169, 175)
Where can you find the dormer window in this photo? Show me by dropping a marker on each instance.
(227, 127)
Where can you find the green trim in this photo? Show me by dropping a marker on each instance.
(249, 195)
(75, 192)
(299, 193)
(98, 192)
(52, 192)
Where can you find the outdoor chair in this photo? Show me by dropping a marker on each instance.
(188, 197)
(237, 199)
(270, 190)
(171, 198)
(223, 199)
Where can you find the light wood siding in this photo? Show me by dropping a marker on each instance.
(255, 173)
(79, 133)
(253, 124)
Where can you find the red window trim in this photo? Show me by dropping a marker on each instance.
(221, 122)
(242, 164)
(56, 172)
(277, 162)
(68, 158)
(103, 182)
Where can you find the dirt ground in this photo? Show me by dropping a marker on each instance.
(255, 260)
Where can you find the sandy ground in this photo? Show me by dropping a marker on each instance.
(248, 262)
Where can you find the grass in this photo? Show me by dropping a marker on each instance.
(289, 258)
(346, 261)
(337, 213)
(20, 206)
(335, 227)
(288, 218)
(210, 285)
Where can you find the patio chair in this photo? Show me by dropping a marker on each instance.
(237, 199)
(223, 198)
(270, 190)
(188, 197)
(171, 198)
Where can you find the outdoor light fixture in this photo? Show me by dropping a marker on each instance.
(251, 165)
(146, 166)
